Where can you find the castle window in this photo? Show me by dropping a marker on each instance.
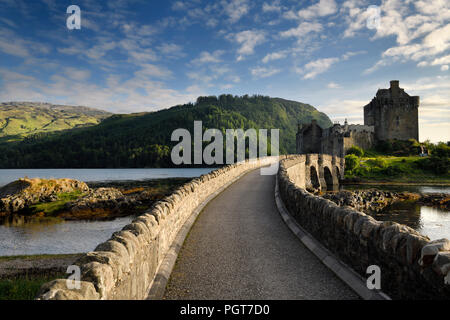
(398, 120)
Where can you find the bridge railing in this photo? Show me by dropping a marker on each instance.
(412, 266)
(125, 266)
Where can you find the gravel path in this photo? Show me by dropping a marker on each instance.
(239, 248)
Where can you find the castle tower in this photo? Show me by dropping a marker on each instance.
(393, 113)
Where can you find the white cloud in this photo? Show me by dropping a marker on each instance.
(206, 57)
(421, 35)
(234, 78)
(320, 9)
(178, 5)
(12, 44)
(116, 96)
(171, 50)
(313, 68)
(200, 77)
(444, 68)
(333, 85)
(274, 56)
(153, 71)
(8, 22)
(302, 30)
(376, 66)
(262, 72)
(350, 54)
(273, 7)
(77, 74)
(226, 86)
(248, 40)
(438, 8)
(435, 43)
(235, 9)
(441, 60)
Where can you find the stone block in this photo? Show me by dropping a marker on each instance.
(57, 290)
(101, 276)
(441, 263)
(431, 249)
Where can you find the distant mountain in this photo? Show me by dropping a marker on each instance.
(144, 140)
(22, 119)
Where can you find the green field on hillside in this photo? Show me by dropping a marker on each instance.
(19, 120)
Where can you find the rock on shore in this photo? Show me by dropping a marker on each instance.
(99, 203)
(376, 200)
(24, 192)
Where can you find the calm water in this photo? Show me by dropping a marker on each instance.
(56, 236)
(22, 237)
(430, 221)
(89, 175)
(397, 188)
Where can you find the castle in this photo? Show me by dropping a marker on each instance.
(392, 114)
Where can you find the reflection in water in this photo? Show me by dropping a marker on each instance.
(435, 223)
(429, 221)
(23, 236)
(404, 212)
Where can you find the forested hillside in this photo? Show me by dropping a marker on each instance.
(144, 140)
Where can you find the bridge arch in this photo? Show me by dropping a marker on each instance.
(338, 173)
(314, 177)
(328, 177)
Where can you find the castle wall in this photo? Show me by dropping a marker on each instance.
(335, 140)
(369, 119)
(363, 139)
(394, 114)
(309, 139)
(399, 123)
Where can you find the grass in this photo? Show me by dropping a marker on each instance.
(51, 208)
(25, 287)
(394, 169)
(17, 122)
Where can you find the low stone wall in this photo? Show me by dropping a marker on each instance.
(412, 266)
(124, 267)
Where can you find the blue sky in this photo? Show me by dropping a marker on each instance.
(140, 55)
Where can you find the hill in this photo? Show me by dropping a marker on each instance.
(22, 119)
(144, 140)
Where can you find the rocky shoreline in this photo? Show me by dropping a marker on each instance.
(376, 200)
(75, 200)
(20, 194)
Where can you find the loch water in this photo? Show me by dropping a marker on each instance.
(24, 236)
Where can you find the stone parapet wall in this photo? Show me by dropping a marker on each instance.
(412, 266)
(125, 266)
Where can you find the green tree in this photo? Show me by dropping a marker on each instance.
(357, 151)
(351, 162)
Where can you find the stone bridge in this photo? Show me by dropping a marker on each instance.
(238, 233)
(318, 171)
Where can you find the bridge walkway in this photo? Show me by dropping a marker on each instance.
(240, 248)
